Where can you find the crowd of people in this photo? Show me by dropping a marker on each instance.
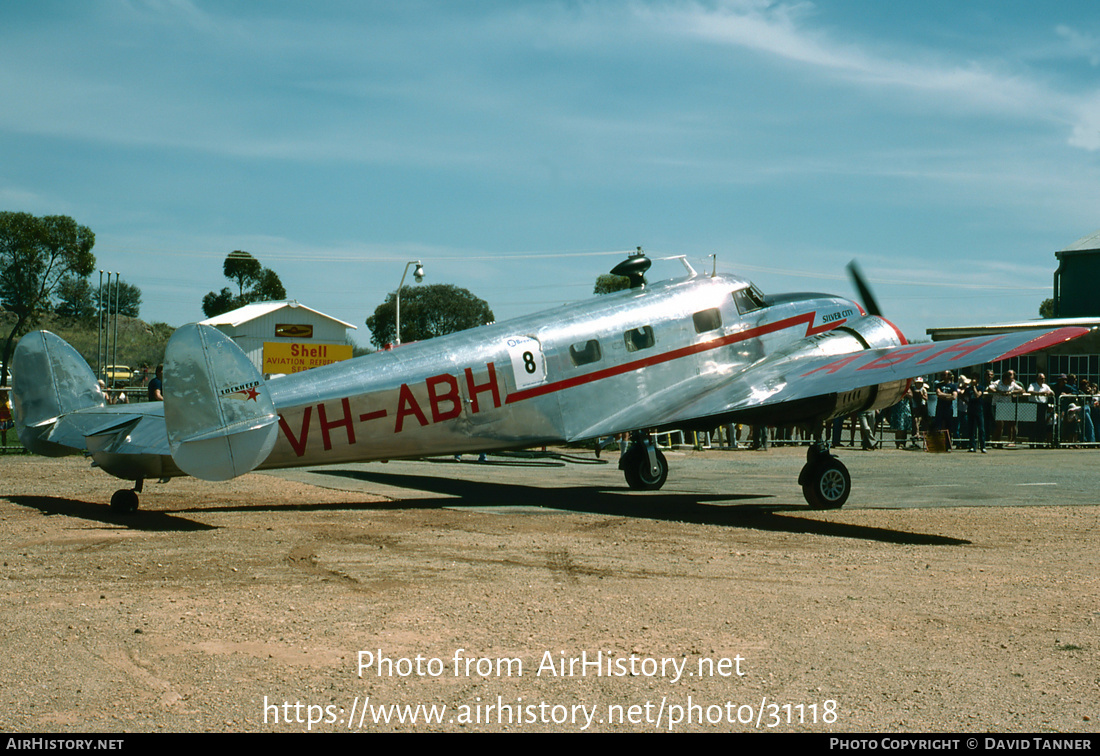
(970, 411)
(974, 410)
(153, 387)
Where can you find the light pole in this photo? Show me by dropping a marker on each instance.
(418, 274)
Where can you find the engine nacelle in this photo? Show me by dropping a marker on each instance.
(869, 332)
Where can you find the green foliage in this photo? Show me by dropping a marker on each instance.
(78, 299)
(255, 283)
(241, 267)
(1046, 309)
(75, 298)
(127, 299)
(268, 287)
(138, 342)
(215, 304)
(426, 312)
(607, 283)
(36, 254)
(356, 350)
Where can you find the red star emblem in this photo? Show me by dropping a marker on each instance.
(252, 393)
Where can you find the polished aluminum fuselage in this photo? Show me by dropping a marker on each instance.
(539, 379)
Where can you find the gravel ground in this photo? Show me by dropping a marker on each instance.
(240, 606)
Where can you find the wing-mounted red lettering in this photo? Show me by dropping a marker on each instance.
(960, 349)
(836, 365)
(896, 356)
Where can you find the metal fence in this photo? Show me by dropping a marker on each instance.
(1072, 420)
(1076, 419)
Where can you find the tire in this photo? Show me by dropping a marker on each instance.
(827, 484)
(639, 475)
(124, 501)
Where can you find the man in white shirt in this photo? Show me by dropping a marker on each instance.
(1003, 391)
(1043, 394)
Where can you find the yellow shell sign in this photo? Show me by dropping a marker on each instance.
(294, 357)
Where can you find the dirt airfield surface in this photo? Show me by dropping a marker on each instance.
(954, 593)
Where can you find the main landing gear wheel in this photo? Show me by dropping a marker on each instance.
(641, 473)
(826, 483)
(124, 501)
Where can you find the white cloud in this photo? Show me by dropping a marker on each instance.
(1086, 125)
(991, 86)
(1079, 44)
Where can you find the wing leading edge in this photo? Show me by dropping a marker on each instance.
(792, 378)
(806, 384)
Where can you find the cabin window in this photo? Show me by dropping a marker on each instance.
(707, 320)
(748, 299)
(584, 352)
(638, 338)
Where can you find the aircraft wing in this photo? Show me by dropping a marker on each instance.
(782, 387)
(801, 377)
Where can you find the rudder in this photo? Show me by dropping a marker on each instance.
(218, 413)
(51, 379)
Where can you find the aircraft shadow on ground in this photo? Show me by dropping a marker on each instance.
(144, 520)
(520, 459)
(669, 506)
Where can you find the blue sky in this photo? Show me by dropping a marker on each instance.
(518, 148)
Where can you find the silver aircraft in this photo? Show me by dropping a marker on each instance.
(691, 353)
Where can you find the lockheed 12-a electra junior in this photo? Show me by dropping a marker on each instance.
(690, 353)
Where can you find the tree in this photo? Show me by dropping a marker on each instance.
(426, 312)
(78, 299)
(1046, 309)
(128, 299)
(215, 304)
(607, 283)
(75, 298)
(241, 267)
(36, 254)
(255, 283)
(268, 287)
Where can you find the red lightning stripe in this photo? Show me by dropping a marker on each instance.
(806, 318)
(1041, 342)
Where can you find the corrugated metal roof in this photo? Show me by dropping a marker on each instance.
(259, 309)
(1090, 242)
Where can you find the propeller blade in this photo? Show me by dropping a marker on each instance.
(868, 299)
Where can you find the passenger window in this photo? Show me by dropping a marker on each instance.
(707, 320)
(638, 338)
(584, 352)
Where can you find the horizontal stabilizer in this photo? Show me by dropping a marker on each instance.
(218, 413)
(51, 380)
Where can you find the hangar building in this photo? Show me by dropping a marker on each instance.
(1076, 302)
(285, 337)
(1077, 279)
